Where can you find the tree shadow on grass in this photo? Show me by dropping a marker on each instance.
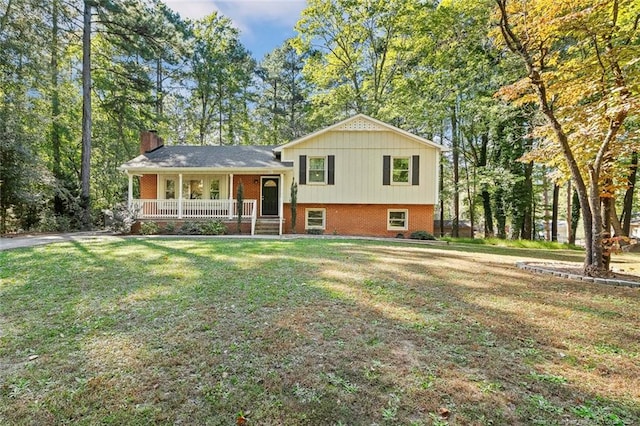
(195, 331)
(462, 283)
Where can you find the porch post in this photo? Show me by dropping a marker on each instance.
(130, 192)
(230, 196)
(180, 196)
(281, 203)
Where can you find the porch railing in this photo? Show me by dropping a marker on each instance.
(195, 209)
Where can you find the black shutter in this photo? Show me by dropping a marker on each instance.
(386, 170)
(331, 160)
(302, 179)
(415, 170)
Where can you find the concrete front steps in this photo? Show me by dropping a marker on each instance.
(267, 226)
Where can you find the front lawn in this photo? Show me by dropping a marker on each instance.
(309, 331)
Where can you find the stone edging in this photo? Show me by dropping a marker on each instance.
(607, 281)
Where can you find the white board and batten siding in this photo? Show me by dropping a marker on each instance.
(358, 171)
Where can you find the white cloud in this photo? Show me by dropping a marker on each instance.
(244, 13)
(263, 24)
(192, 9)
(250, 15)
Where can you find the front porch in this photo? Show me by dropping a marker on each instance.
(180, 209)
(208, 196)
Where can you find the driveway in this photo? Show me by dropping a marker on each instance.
(40, 239)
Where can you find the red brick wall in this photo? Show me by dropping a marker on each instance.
(362, 219)
(251, 190)
(148, 187)
(149, 141)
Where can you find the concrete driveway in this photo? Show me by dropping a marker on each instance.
(40, 239)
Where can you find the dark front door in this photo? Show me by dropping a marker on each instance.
(270, 196)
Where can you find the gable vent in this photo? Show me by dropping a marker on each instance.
(360, 124)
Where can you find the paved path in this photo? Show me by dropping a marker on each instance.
(39, 239)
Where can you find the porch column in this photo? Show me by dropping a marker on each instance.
(130, 192)
(180, 196)
(281, 202)
(230, 196)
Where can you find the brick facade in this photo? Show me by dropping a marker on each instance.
(150, 141)
(251, 190)
(148, 187)
(340, 219)
(362, 219)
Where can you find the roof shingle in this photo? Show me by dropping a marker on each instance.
(214, 157)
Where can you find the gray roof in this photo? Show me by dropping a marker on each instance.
(213, 157)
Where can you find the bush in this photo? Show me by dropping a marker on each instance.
(315, 231)
(149, 228)
(56, 223)
(214, 227)
(169, 228)
(191, 228)
(422, 235)
(119, 219)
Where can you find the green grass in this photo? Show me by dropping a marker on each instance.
(537, 244)
(318, 332)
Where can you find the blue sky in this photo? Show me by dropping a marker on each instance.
(263, 24)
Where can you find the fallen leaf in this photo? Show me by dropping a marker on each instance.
(444, 412)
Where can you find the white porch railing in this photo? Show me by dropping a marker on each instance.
(195, 209)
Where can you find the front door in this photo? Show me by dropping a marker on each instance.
(270, 196)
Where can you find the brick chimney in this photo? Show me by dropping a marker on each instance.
(149, 141)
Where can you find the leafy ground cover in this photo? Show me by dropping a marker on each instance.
(310, 331)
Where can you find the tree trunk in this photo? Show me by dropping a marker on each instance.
(569, 215)
(274, 113)
(545, 198)
(615, 222)
(159, 93)
(85, 195)
(220, 101)
(627, 207)
(528, 219)
(488, 214)
(575, 217)
(607, 208)
(455, 226)
(554, 213)
(58, 203)
(486, 197)
(501, 214)
(441, 198)
(471, 198)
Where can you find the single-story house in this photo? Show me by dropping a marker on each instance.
(357, 177)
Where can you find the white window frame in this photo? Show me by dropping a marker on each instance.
(166, 188)
(306, 218)
(409, 171)
(324, 171)
(391, 227)
(211, 182)
(186, 188)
